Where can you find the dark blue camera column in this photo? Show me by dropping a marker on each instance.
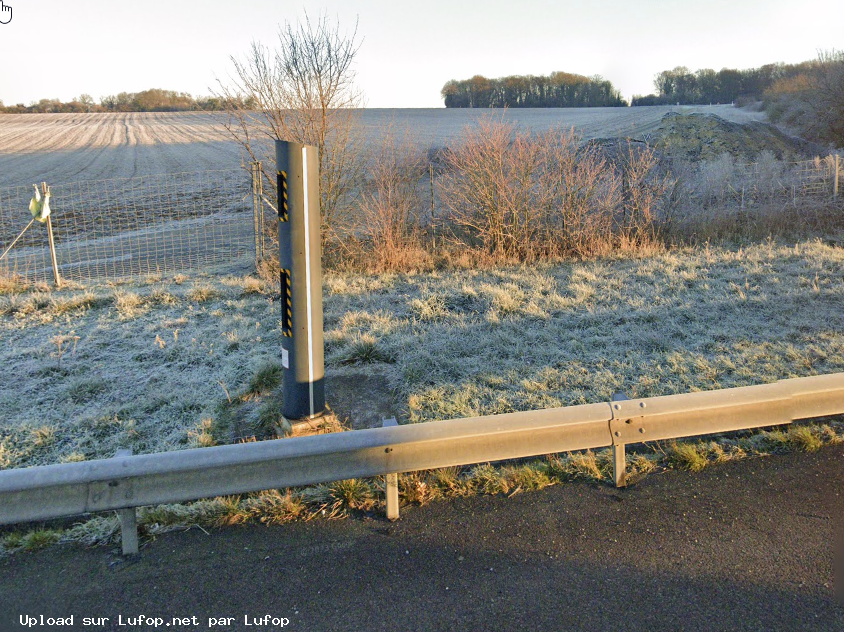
(300, 248)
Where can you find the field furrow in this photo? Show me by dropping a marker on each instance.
(61, 148)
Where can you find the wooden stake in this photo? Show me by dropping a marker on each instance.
(44, 190)
(257, 226)
(433, 222)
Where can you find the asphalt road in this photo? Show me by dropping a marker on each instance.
(741, 546)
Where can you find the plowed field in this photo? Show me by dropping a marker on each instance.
(60, 148)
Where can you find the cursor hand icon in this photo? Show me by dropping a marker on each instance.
(5, 13)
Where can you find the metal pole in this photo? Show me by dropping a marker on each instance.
(391, 481)
(128, 521)
(302, 352)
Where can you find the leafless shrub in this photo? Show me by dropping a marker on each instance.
(645, 189)
(523, 196)
(484, 186)
(717, 179)
(813, 101)
(389, 207)
(579, 193)
(770, 175)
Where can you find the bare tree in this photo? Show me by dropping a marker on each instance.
(301, 91)
(828, 105)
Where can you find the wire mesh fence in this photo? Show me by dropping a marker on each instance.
(107, 229)
(124, 227)
(725, 182)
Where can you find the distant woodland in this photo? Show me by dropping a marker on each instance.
(154, 100)
(557, 90)
(702, 87)
(807, 97)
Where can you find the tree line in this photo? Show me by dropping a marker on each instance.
(808, 97)
(153, 100)
(728, 85)
(557, 90)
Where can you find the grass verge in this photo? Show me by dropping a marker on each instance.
(166, 364)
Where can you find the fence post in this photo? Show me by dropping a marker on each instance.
(255, 165)
(433, 210)
(261, 206)
(53, 253)
(45, 191)
(835, 185)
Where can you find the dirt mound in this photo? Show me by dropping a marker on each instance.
(706, 136)
(619, 150)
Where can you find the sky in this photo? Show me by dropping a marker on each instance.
(63, 48)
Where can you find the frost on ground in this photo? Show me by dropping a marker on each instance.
(89, 370)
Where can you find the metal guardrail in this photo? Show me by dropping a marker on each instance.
(125, 482)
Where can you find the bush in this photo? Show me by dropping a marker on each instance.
(389, 206)
(522, 196)
(812, 102)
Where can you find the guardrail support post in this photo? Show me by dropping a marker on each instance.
(129, 531)
(128, 522)
(392, 486)
(392, 496)
(619, 459)
(619, 465)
